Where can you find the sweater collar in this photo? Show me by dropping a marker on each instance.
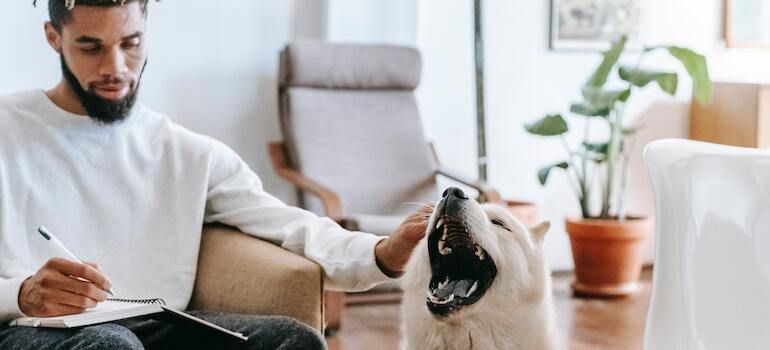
(58, 116)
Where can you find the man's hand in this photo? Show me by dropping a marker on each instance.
(54, 290)
(393, 252)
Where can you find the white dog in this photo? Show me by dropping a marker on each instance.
(487, 283)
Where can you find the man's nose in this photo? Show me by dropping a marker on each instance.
(454, 192)
(113, 64)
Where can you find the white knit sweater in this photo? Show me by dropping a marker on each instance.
(133, 196)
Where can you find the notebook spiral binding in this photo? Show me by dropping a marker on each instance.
(140, 301)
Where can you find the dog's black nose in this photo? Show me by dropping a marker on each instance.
(454, 192)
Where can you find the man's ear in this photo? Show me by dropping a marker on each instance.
(53, 37)
(538, 231)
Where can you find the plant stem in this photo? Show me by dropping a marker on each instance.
(574, 176)
(585, 201)
(612, 150)
(624, 179)
(624, 152)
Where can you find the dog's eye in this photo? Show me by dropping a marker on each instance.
(500, 223)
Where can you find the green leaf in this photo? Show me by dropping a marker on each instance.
(599, 98)
(596, 147)
(551, 125)
(542, 175)
(696, 67)
(611, 56)
(587, 110)
(596, 152)
(638, 77)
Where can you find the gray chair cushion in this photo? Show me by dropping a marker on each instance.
(368, 146)
(340, 66)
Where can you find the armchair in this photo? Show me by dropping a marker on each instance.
(354, 145)
(242, 274)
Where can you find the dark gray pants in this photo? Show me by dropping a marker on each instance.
(264, 332)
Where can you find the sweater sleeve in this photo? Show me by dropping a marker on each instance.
(236, 197)
(9, 298)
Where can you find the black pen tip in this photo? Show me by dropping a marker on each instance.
(44, 232)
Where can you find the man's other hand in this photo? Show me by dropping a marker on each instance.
(393, 252)
(57, 289)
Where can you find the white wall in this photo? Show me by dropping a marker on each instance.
(525, 80)
(372, 21)
(212, 66)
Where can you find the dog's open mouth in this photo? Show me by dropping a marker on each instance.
(462, 271)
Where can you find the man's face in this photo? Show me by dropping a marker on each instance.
(103, 55)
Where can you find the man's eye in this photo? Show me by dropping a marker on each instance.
(131, 44)
(499, 223)
(91, 49)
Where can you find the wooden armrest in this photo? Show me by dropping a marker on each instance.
(329, 199)
(242, 274)
(486, 192)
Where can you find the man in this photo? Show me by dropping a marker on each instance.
(128, 189)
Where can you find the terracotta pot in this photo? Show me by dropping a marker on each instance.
(526, 212)
(607, 255)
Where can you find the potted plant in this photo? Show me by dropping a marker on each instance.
(607, 244)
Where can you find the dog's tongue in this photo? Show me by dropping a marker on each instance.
(458, 288)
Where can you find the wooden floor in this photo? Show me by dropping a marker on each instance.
(583, 324)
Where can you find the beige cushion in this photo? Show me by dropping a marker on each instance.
(348, 66)
(242, 274)
(367, 146)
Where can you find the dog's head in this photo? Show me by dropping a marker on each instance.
(471, 251)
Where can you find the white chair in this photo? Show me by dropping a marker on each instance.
(711, 284)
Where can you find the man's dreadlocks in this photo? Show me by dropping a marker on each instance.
(59, 10)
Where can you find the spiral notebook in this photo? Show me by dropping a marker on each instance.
(119, 309)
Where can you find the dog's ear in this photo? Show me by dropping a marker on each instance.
(538, 231)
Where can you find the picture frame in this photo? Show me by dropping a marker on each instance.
(593, 24)
(747, 23)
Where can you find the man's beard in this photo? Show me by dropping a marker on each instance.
(101, 110)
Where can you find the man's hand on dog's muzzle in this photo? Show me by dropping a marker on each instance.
(393, 252)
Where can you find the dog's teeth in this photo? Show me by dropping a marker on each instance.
(442, 301)
(432, 296)
(480, 253)
(441, 285)
(473, 289)
(443, 249)
(434, 299)
(439, 223)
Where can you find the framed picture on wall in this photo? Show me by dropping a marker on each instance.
(593, 24)
(747, 23)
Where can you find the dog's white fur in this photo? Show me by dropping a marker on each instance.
(515, 313)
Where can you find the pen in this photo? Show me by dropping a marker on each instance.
(51, 238)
